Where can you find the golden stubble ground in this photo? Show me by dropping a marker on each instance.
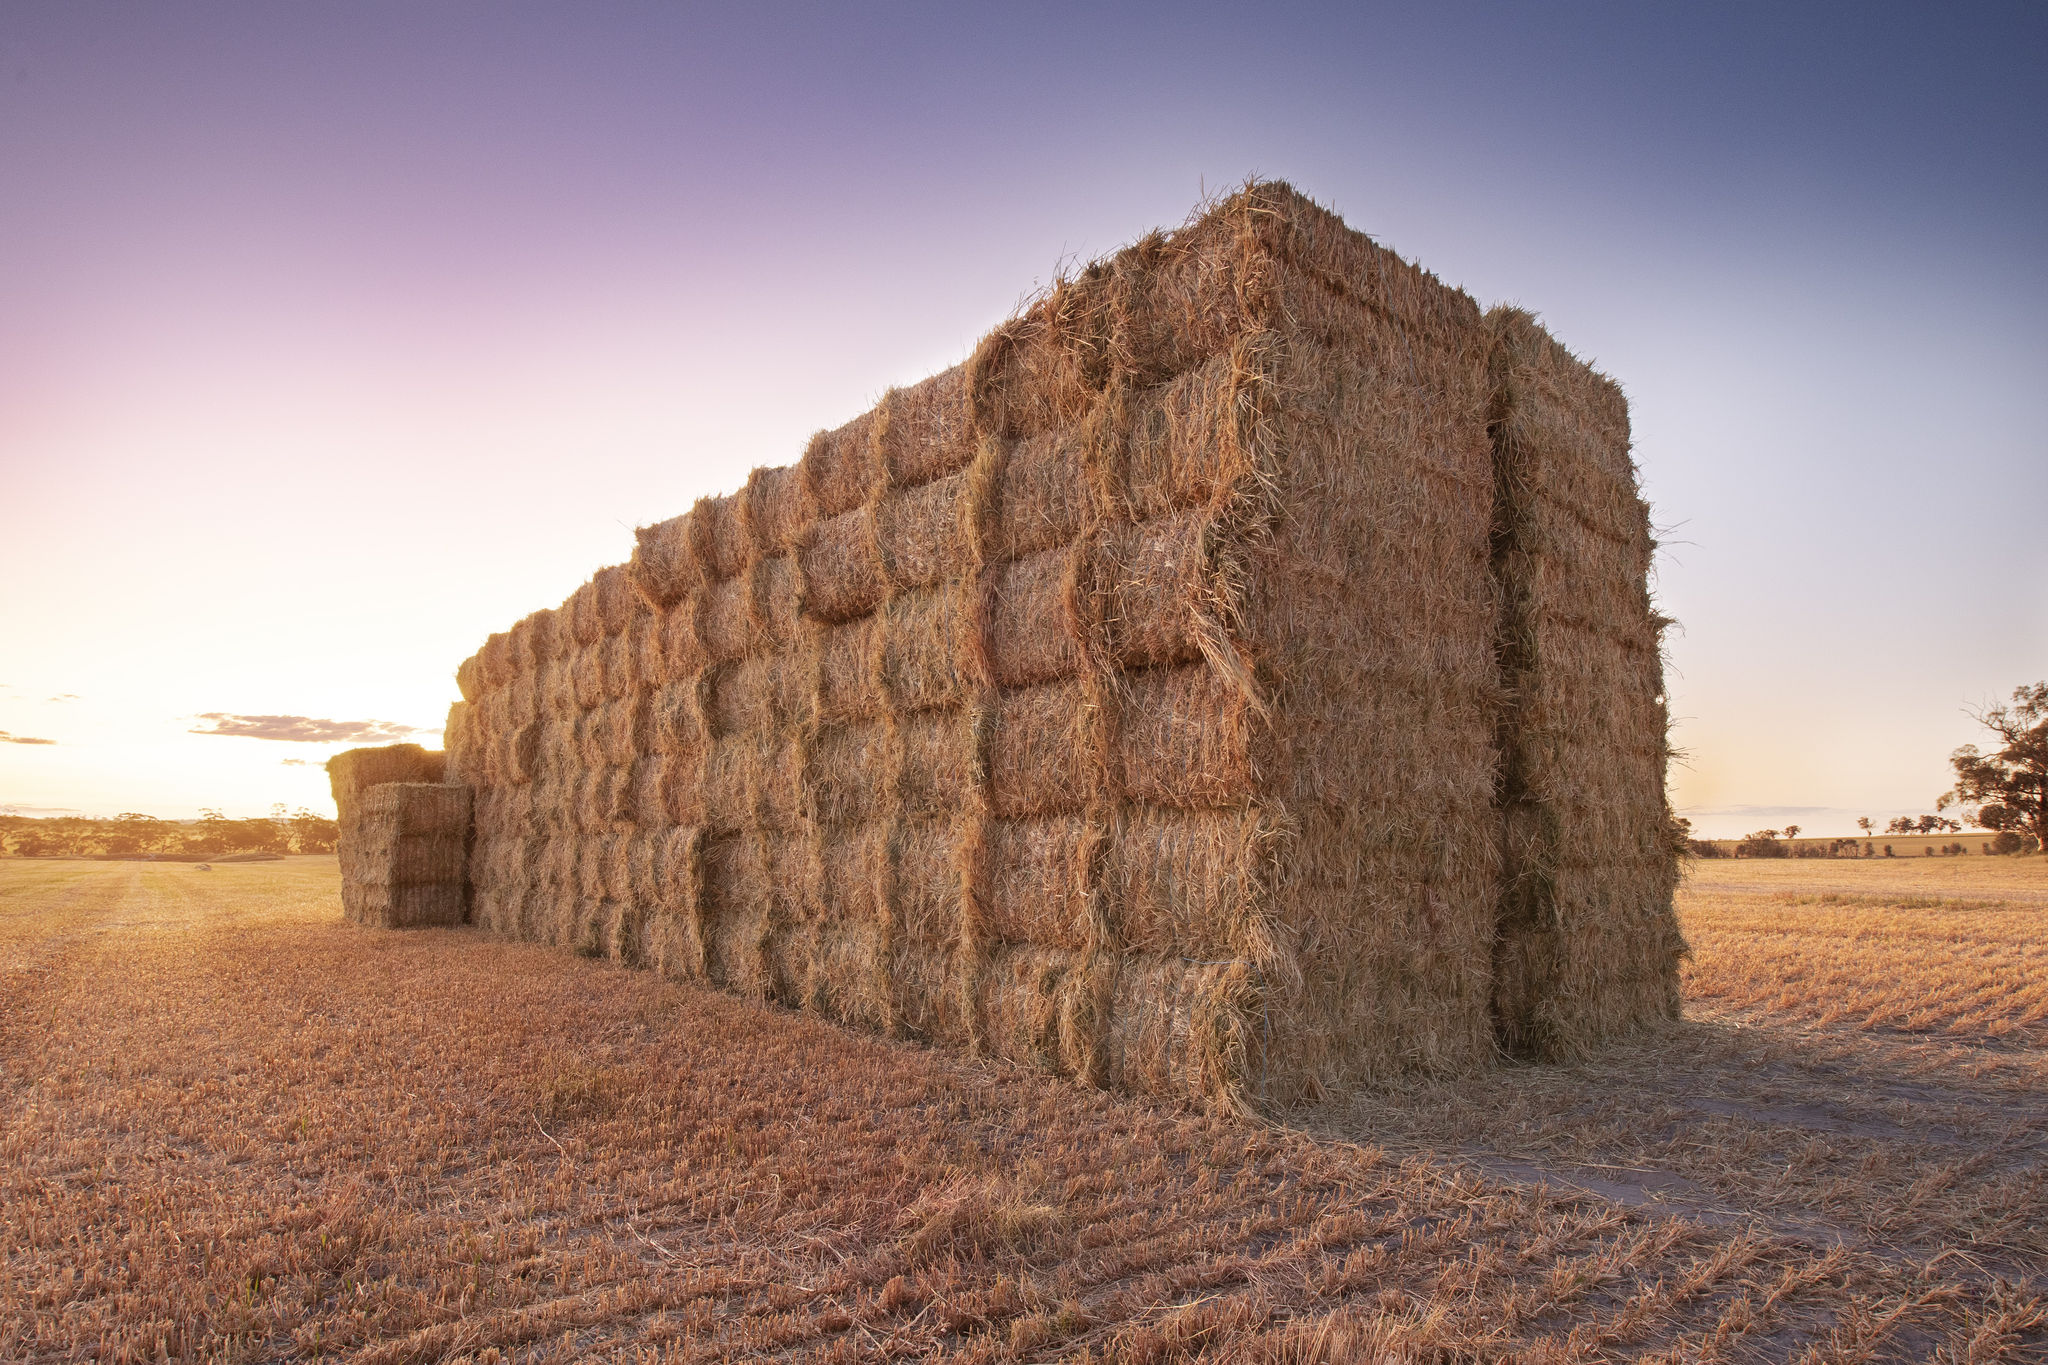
(233, 1127)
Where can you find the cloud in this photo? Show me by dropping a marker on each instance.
(299, 763)
(6, 738)
(304, 729)
(33, 811)
(67, 696)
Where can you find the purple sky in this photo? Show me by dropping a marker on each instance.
(332, 338)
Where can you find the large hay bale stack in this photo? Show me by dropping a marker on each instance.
(404, 846)
(1224, 685)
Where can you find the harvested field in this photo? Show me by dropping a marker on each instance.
(236, 1127)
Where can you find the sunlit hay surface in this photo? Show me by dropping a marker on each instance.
(236, 1128)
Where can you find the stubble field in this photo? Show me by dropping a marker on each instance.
(233, 1127)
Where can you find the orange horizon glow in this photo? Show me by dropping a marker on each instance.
(331, 342)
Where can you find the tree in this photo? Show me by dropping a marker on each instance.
(313, 833)
(1791, 831)
(2010, 784)
(1867, 825)
(1761, 843)
(258, 834)
(1901, 824)
(215, 833)
(135, 832)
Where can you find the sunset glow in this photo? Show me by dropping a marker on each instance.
(333, 339)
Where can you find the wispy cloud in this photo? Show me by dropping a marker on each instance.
(6, 738)
(38, 810)
(304, 729)
(67, 696)
(300, 763)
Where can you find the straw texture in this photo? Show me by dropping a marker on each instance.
(1235, 682)
(404, 846)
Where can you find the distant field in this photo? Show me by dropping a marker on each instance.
(233, 1127)
(1975, 844)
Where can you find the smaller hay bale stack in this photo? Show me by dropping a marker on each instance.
(404, 837)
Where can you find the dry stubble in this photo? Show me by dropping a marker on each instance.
(237, 1128)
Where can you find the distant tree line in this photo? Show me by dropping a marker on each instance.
(2004, 790)
(133, 835)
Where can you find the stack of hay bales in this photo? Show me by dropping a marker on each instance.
(404, 845)
(1587, 939)
(1166, 696)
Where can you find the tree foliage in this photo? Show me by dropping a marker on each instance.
(134, 835)
(2008, 784)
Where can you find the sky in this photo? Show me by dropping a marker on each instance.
(333, 338)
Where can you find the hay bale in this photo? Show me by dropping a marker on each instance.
(922, 533)
(851, 772)
(849, 687)
(779, 510)
(739, 912)
(922, 637)
(922, 887)
(1185, 738)
(355, 771)
(1041, 878)
(405, 853)
(586, 675)
(935, 759)
(730, 767)
(456, 742)
(777, 780)
(725, 620)
(1177, 1028)
(1024, 998)
(842, 567)
(581, 608)
(1043, 498)
(724, 542)
(1042, 751)
(1187, 694)
(926, 999)
(673, 720)
(741, 694)
(840, 467)
(494, 666)
(664, 568)
(682, 652)
(520, 762)
(555, 689)
(646, 646)
(846, 974)
(1038, 626)
(777, 592)
(926, 431)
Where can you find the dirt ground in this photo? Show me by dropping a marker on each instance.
(233, 1127)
